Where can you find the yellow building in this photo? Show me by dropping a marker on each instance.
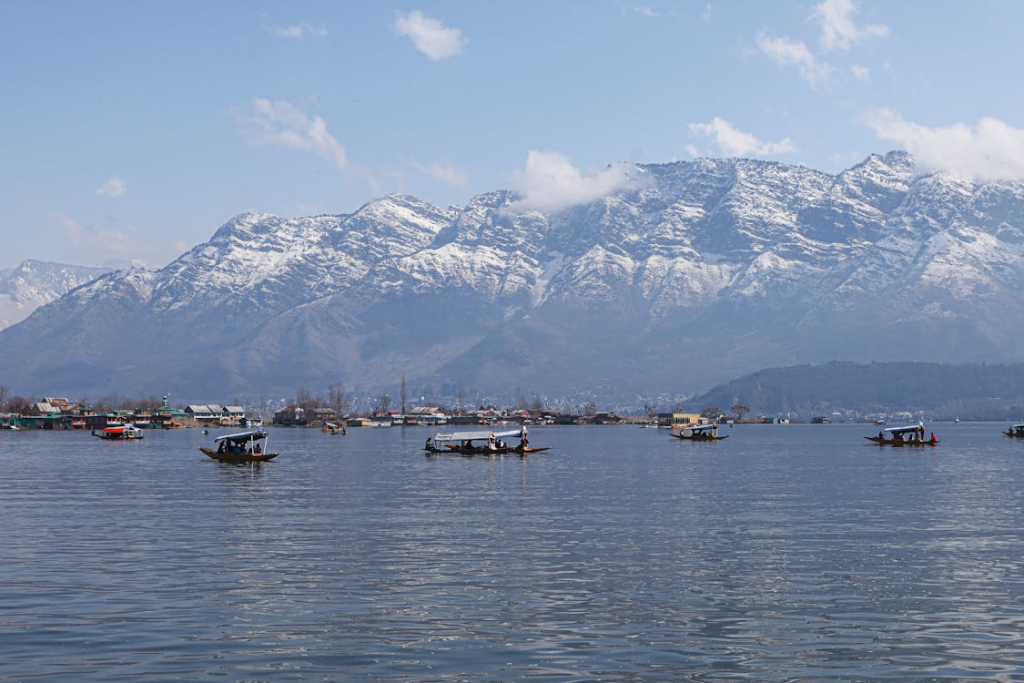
(676, 420)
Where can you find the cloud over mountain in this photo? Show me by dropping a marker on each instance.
(989, 150)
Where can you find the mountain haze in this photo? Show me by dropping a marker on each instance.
(702, 271)
(32, 284)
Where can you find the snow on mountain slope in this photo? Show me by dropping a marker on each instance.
(733, 264)
(32, 284)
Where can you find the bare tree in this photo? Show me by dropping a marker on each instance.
(4, 391)
(740, 409)
(537, 405)
(462, 401)
(711, 412)
(651, 410)
(308, 402)
(337, 399)
(382, 404)
(520, 400)
(18, 404)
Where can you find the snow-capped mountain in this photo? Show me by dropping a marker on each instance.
(31, 284)
(702, 271)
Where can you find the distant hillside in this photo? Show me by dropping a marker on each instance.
(969, 391)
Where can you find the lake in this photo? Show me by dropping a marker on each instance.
(787, 552)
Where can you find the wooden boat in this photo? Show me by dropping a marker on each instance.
(700, 433)
(482, 443)
(526, 450)
(912, 435)
(332, 428)
(120, 432)
(1015, 430)
(247, 446)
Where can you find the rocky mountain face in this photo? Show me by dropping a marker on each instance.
(701, 272)
(32, 284)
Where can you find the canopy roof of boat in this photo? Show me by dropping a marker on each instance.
(475, 436)
(1017, 427)
(700, 428)
(904, 430)
(252, 434)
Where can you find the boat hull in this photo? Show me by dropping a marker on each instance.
(237, 457)
(700, 438)
(117, 437)
(458, 450)
(900, 443)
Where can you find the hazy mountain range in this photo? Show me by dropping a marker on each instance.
(32, 284)
(701, 272)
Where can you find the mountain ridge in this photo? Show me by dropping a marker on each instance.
(700, 271)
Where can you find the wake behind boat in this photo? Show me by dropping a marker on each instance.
(700, 433)
(247, 446)
(911, 435)
(482, 443)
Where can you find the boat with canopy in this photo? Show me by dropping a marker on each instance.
(247, 446)
(910, 435)
(120, 432)
(707, 432)
(1015, 430)
(482, 442)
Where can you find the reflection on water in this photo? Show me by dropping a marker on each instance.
(785, 552)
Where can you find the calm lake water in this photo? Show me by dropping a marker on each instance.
(783, 553)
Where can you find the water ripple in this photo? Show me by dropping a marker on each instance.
(785, 553)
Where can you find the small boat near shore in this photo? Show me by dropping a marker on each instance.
(482, 443)
(911, 435)
(700, 433)
(120, 432)
(1015, 430)
(247, 446)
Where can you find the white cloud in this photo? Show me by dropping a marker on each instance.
(706, 16)
(861, 73)
(301, 31)
(838, 28)
(429, 35)
(443, 172)
(115, 187)
(551, 183)
(733, 142)
(990, 150)
(786, 52)
(282, 124)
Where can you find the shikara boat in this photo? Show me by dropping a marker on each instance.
(120, 432)
(1015, 430)
(248, 446)
(332, 428)
(700, 433)
(482, 443)
(911, 435)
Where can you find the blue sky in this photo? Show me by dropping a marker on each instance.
(131, 130)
